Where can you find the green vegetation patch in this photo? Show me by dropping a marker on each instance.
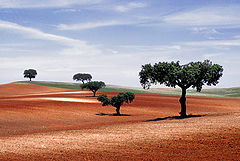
(56, 84)
(224, 92)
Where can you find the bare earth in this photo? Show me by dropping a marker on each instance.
(45, 123)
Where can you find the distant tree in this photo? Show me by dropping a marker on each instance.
(117, 101)
(82, 77)
(193, 74)
(30, 73)
(93, 86)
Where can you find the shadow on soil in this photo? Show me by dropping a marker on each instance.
(175, 117)
(105, 114)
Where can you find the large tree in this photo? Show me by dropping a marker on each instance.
(117, 101)
(193, 74)
(82, 77)
(93, 86)
(30, 73)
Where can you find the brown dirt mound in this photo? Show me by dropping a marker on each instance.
(32, 128)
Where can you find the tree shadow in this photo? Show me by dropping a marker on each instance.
(114, 114)
(175, 117)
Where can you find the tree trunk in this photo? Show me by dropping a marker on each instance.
(30, 79)
(182, 101)
(118, 111)
(94, 93)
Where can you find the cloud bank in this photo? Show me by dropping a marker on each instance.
(44, 3)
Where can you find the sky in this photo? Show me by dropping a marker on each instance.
(112, 39)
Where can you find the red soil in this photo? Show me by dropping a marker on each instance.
(35, 129)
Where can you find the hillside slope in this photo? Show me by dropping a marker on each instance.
(214, 92)
(48, 123)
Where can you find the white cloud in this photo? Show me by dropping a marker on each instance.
(43, 3)
(67, 10)
(11, 50)
(206, 16)
(80, 50)
(153, 48)
(34, 33)
(237, 36)
(214, 43)
(91, 25)
(83, 46)
(130, 6)
(211, 55)
(205, 30)
(149, 53)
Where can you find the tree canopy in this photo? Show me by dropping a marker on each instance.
(82, 77)
(117, 101)
(193, 74)
(93, 86)
(30, 73)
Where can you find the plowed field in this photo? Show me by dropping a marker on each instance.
(46, 123)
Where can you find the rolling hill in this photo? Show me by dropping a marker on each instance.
(214, 92)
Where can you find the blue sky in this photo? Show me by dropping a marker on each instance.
(112, 39)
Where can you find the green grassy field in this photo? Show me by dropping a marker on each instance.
(214, 92)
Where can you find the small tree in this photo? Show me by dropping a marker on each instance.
(117, 101)
(193, 74)
(93, 86)
(30, 73)
(82, 77)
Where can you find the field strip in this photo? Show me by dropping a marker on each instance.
(110, 137)
(70, 100)
(64, 99)
(60, 93)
